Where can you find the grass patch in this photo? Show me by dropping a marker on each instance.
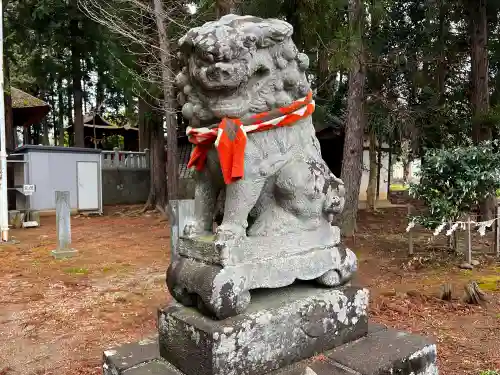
(489, 283)
(76, 271)
(489, 372)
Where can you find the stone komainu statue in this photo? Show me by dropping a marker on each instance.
(245, 91)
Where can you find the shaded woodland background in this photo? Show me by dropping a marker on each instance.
(414, 74)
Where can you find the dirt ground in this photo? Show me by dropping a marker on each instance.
(57, 316)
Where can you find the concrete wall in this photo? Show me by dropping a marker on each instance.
(131, 186)
(125, 186)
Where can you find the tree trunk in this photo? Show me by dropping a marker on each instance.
(371, 191)
(60, 105)
(158, 191)
(144, 111)
(352, 163)
(170, 104)
(406, 171)
(442, 70)
(76, 69)
(224, 7)
(10, 131)
(84, 97)
(99, 90)
(291, 10)
(45, 122)
(323, 86)
(480, 96)
(45, 130)
(36, 134)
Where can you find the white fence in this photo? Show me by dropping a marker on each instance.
(125, 159)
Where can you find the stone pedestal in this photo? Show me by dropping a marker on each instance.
(298, 330)
(382, 351)
(279, 327)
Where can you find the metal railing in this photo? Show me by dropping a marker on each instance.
(125, 159)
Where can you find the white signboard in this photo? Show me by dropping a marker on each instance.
(28, 189)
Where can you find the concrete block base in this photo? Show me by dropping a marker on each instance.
(382, 352)
(280, 327)
(63, 254)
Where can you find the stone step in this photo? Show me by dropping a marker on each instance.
(383, 352)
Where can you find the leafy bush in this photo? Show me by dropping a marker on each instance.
(454, 180)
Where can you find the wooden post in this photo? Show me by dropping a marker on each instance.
(410, 235)
(469, 241)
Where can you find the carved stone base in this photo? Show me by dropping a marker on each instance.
(224, 291)
(381, 352)
(257, 249)
(280, 327)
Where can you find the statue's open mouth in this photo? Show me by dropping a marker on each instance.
(221, 76)
(227, 87)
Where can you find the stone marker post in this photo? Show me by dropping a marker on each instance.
(63, 226)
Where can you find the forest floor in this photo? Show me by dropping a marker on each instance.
(57, 316)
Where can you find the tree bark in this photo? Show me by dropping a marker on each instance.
(480, 96)
(352, 163)
(371, 190)
(99, 92)
(76, 69)
(10, 130)
(479, 69)
(291, 10)
(158, 191)
(324, 91)
(170, 103)
(143, 110)
(442, 71)
(45, 130)
(60, 105)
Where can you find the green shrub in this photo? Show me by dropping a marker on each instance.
(454, 180)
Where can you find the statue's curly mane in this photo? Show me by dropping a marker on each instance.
(239, 65)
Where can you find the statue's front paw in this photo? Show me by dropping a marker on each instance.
(333, 205)
(193, 229)
(226, 237)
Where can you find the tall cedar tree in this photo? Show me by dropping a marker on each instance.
(352, 162)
